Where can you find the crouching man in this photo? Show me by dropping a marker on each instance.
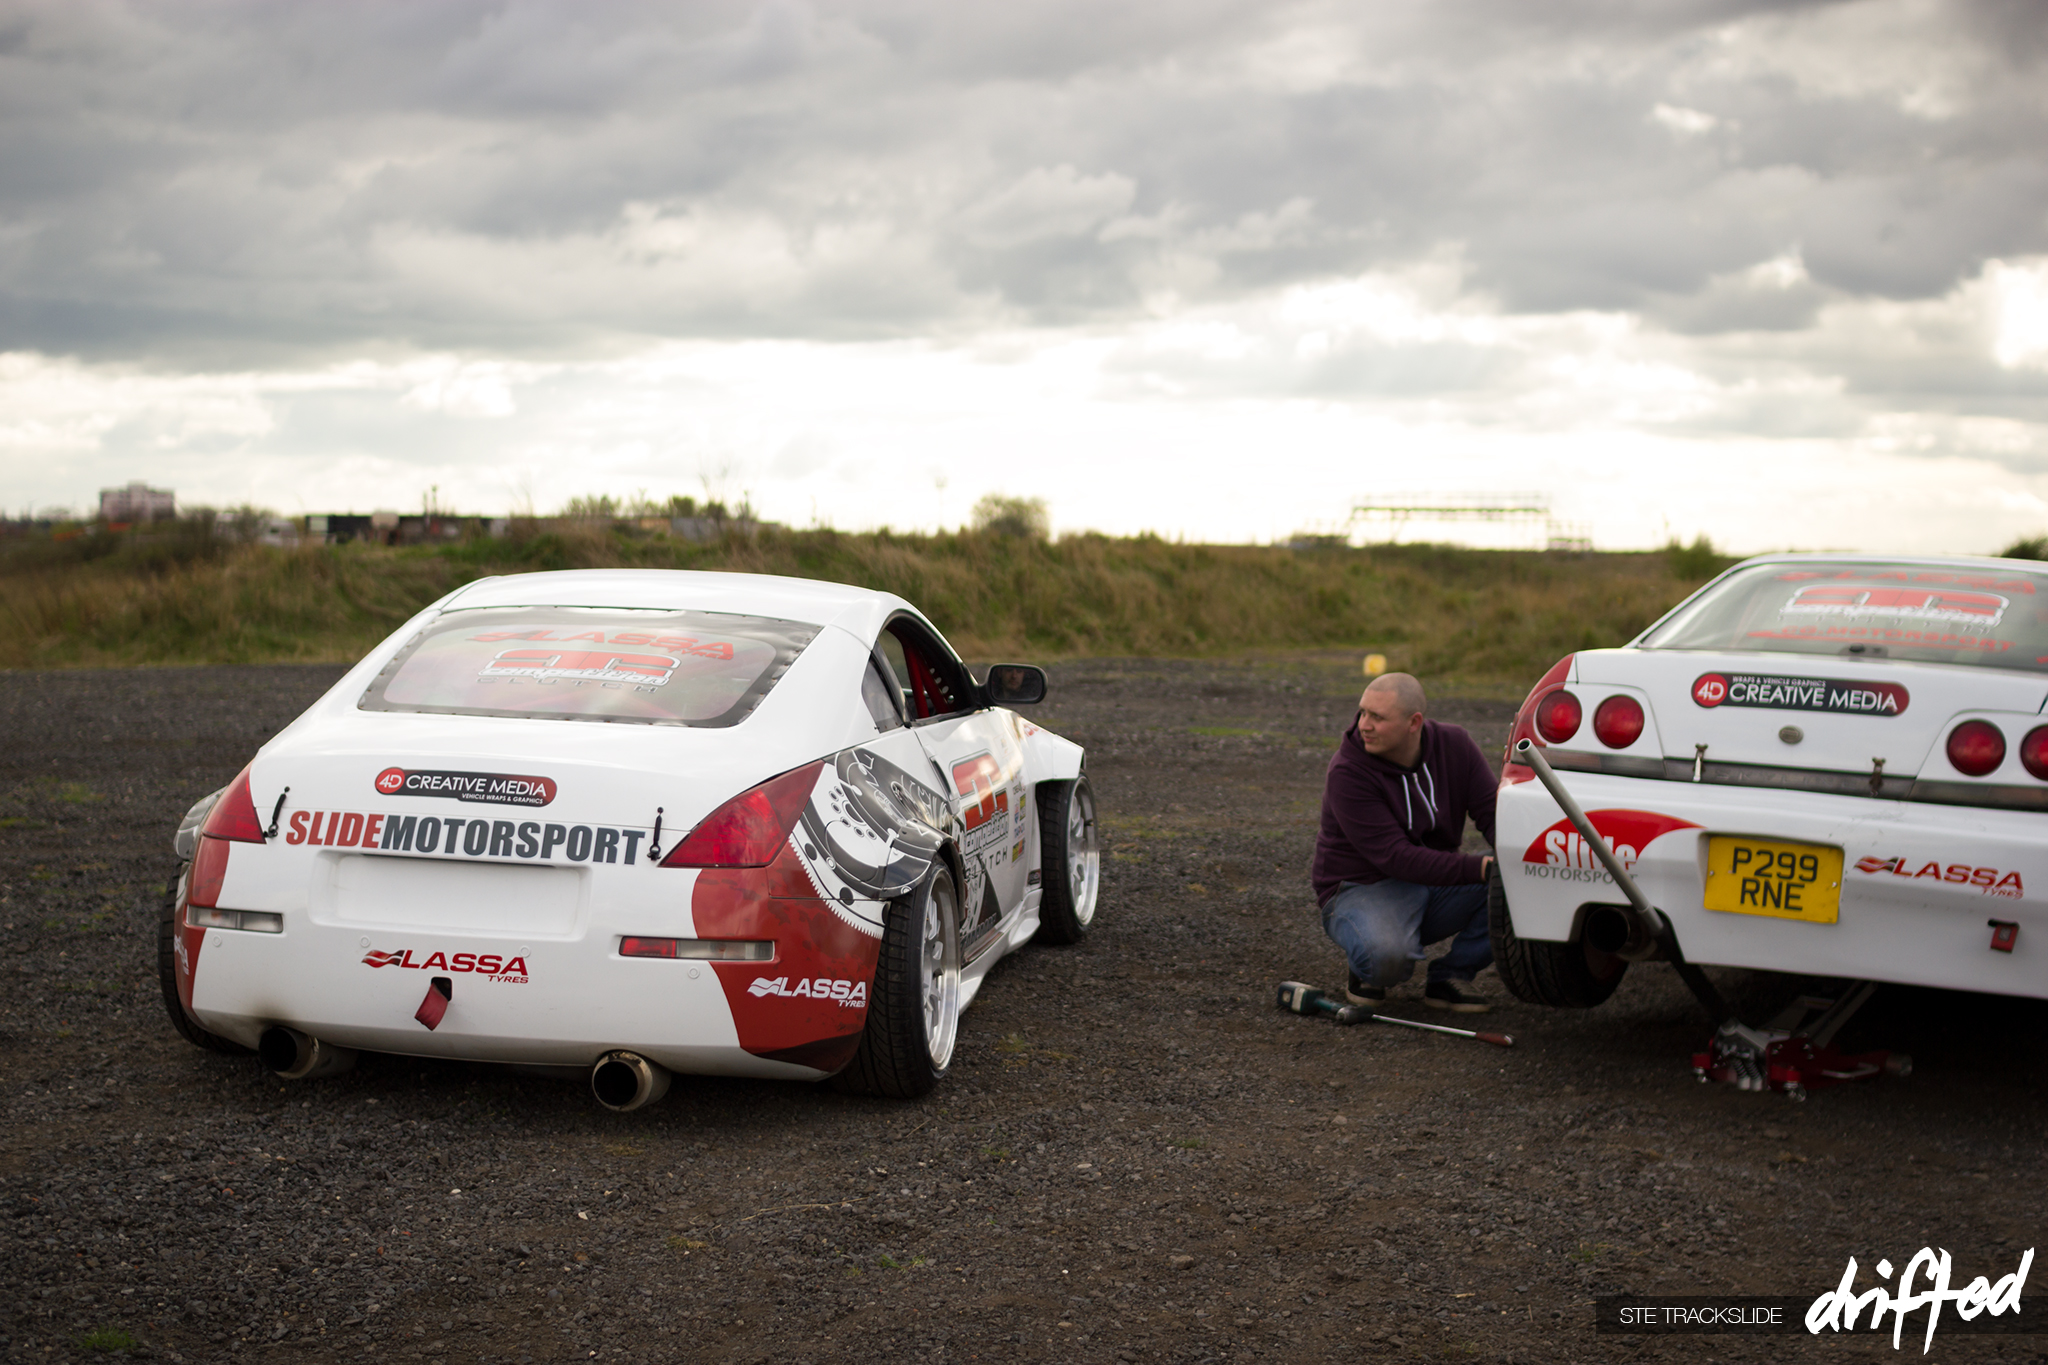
(1388, 872)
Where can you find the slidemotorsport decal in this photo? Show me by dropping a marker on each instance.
(1771, 692)
(502, 789)
(461, 836)
(1560, 853)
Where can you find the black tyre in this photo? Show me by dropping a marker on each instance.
(914, 1008)
(167, 975)
(1571, 976)
(1070, 854)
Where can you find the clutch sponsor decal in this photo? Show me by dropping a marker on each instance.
(496, 966)
(1989, 880)
(501, 789)
(1561, 853)
(851, 994)
(456, 836)
(1769, 692)
(1914, 604)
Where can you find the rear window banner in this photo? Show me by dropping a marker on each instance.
(646, 667)
(1898, 611)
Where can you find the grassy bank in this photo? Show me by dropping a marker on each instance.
(1479, 618)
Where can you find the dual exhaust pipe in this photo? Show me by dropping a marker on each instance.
(621, 1081)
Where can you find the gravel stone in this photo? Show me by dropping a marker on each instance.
(1138, 1158)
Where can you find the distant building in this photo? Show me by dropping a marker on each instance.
(390, 528)
(137, 502)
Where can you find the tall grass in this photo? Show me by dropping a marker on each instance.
(1481, 618)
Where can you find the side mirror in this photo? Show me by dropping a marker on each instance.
(1015, 685)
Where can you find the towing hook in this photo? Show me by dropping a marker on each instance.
(624, 1081)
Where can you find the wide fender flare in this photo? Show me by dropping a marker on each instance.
(1047, 756)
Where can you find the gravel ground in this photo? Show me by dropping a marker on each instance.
(1137, 1159)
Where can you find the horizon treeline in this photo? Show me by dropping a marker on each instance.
(1474, 618)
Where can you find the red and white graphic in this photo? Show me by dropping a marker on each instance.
(1561, 851)
(496, 966)
(1710, 689)
(982, 775)
(1988, 880)
(582, 666)
(1915, 604)
(391, 781)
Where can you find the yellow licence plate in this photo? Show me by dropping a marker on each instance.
(1769, 877)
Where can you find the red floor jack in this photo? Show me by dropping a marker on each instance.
(1795, 1053)
(1792, 1054)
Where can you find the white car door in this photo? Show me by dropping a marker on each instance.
(981, 760)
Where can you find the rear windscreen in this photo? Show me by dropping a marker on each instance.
(1899, 611)
(564, 663)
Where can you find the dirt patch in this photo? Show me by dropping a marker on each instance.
(1138, 1158)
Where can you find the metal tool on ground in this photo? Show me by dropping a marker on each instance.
(1306, 999)
(1790, 1054)
(1497, 1039)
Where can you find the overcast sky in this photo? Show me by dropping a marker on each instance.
(1774, 272)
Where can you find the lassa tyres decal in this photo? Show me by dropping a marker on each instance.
(868, 834)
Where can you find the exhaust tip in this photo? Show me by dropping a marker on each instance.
(296, 1056)
(624, 1081)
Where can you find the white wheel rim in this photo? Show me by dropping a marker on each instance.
(938, 968)
(1084, 855)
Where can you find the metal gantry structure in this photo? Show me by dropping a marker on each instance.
(1395, 511)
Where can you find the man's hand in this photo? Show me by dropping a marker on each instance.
(1485, 867)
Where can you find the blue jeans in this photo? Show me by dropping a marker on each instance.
(1383, 926)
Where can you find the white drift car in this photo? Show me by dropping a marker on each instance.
(1833, 765)
(640, 822)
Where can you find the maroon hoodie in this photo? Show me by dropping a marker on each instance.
(1381, 820)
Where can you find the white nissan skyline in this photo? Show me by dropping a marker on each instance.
(1827, 765)
(639, 822)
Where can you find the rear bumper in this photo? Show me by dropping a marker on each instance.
(552, 1001)
(1919, 881)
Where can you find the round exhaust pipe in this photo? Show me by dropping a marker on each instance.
(1620, 931)
(296, 1056)
(624, 1081)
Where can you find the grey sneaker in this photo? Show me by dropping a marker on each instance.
(1455, 995)
(1358, 993)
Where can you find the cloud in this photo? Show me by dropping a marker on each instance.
(320, 231)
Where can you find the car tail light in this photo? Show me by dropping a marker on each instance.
(2034, 752)
(1618, 721)
(1558, 716)
(234, 815)
(1525, 721)
(1976, 747)
(209, 868)
(749, 830)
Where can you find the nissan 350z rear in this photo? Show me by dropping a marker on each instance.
(642, 823)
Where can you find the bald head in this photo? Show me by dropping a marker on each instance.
(1390, 718)
(1402, 690)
